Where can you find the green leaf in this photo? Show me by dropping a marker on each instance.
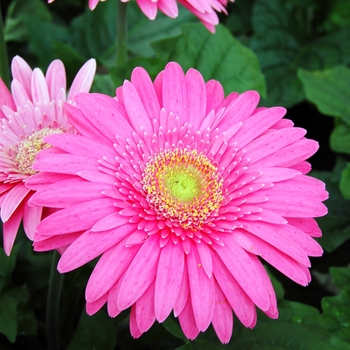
(173, 327)
(341, 277)
(340, 137)
(93, 34)
(329, 90)
(336, 310)
(283, 42)
(103, 84)
(142, 31)
(94, 332)
(18, 13)
(217, 56)
(25, 317)
(287, 335)
(344, 184)
(336, 224)
(7, 264)
(339, 13)
(71, 58)
(299, 326)
(43, 35)
(152, 65)
(8, 317)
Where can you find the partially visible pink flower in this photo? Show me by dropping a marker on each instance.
(181, 191)
(92, 3)
(32, 111)
(203, 9)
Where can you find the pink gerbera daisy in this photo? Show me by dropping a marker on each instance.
(34, 110)
(203, 9)
(181, 191)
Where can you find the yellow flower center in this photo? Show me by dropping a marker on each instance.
(183, 186)
(27, 149)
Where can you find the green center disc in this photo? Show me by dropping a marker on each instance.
(183, 183)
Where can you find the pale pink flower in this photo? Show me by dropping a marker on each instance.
(203, 9)
(32, 111)
(181, 191)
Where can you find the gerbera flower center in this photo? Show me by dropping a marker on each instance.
(183, 186)
(26, 150)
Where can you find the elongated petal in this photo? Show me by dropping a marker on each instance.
(140, 274)
(222, 317)
(168, 279)
(83, 80)
(90, 245)
(12, 200)
(201, 290)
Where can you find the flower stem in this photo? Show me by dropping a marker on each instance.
(4, 67)
(53, 305)
(122, 31)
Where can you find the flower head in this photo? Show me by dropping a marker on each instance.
(181, 191)
(33, 111)
(203, 9)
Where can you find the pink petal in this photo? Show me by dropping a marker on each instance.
(272, 142)
(43, 244)
(168, 7)
(22, 72)
(39, 87)
(31, 219)
(144, 308)
(90, 245)
(20, 95)
(134, 328)
(205, 258)
(146, 91)
(183, 295)
(201, 290)
(69, 192)
(215, 95)
(80, 145)
(140, 274)
(94, 306)
(149, 8)
(81, 123)
(175, 91)
(257, 124)
(243, 268)
(109, 269)
(282, 262)
(93, 4)
(188, 322)
(112, 124)
(197, 98)
(79, 217)
(135, 109)
(12, 201)
(56, 79)
(6, 98)
(276, 236)
(222, 317)
(294, 203)
(83, 80)
(241, 304)
(307, 225)
(168, 279)
(290, 155)
(10, 229)
(239, 109)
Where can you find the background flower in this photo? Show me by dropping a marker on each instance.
(180, 190)
(32, 111)
(203, 9)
